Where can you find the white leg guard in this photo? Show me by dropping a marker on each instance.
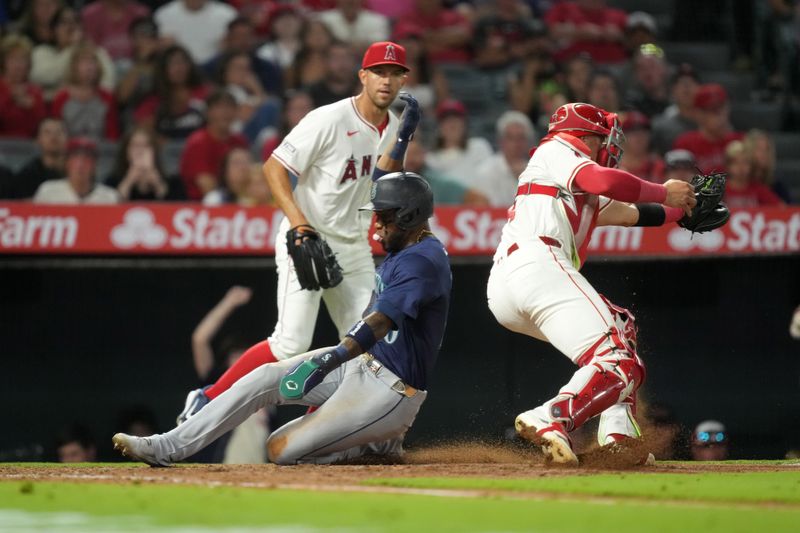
(617, 423)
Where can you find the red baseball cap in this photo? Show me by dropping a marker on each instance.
(634, 120)
(384, 53)
(710, 97)
(450, 107)
(82, 145)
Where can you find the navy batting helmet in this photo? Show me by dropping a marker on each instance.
(407, 192)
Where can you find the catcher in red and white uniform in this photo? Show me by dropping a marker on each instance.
(570, 186)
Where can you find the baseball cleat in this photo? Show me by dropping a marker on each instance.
(138, 449)
(195, 401)
(550, 436)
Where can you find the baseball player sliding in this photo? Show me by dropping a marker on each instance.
(568, 188)
(367, 403)
(334, 154)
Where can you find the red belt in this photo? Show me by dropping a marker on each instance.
(549, 241)
(535, 188)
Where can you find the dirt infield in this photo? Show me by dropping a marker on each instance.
(453, 460)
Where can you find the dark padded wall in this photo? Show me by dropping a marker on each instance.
(80, 343)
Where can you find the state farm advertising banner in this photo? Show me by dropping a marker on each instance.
(191, 229)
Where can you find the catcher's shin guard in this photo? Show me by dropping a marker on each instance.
(594, 388)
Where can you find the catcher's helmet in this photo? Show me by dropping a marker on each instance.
(585, 119)
(407, 192)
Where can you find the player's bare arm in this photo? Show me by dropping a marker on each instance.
(281, 187)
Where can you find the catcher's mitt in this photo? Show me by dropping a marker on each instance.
(709, 213)
(314, 261)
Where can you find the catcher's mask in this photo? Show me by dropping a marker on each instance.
(581, 119)
(407, 192)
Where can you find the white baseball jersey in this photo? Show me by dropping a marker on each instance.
(570, 218)
(333, 152)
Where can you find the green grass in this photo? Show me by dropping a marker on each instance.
(750, 487)
(721, 501)
(142, 507)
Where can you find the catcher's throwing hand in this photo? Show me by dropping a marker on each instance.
(314, 261)
(681, 195)
(410, 118)
(708, 212)
(298, 381)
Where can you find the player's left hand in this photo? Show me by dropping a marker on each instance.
(410, 118)
(299, 381)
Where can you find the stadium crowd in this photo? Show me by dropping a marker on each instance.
(110, 101)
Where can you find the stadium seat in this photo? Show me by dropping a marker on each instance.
(703, 56)
(171, 157)
(787, 145)
(762, 115)
(15, 152)
(739, 85)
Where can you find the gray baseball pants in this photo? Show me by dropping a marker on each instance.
(363, 409)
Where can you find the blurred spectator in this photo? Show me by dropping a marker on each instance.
(714, 132)
(741, 189)
(87, 109)
(36, 21)
(50, 164)
(79, 187)
(7, 183)
(762, 152)
(503, 33)
(777, 49)
(245, 443)
(234, 179)
(679, 117)
(588, 26)
(391, 8)
(424, 80)
(138, 174)
(794, 326)
(447, 189)
(258, 193)
(256, 112)
(309, 66)
(352, 23)
(710, 441)
(106, 23)
(534, 82)
(285, 27)
(340, 79)
(577, 71)
(455, 153)
(255, 11)
(21, 103)
(205, 149)
(551, 97)
(241, 38)
(75, 444)
(197, 25)
(640, 29)
(604, 90)
(177, 107)
(638, 158)
(497, 176)
(650, 91)
(137, 420)
(297, 105)
(679, 165)
(446, 33)
(50, 61)
(139, 79)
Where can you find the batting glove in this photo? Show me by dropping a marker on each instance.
(410, 118)
(299, 381)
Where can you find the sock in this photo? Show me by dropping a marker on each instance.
(255, 356)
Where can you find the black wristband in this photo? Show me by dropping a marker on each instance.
(651, 215)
